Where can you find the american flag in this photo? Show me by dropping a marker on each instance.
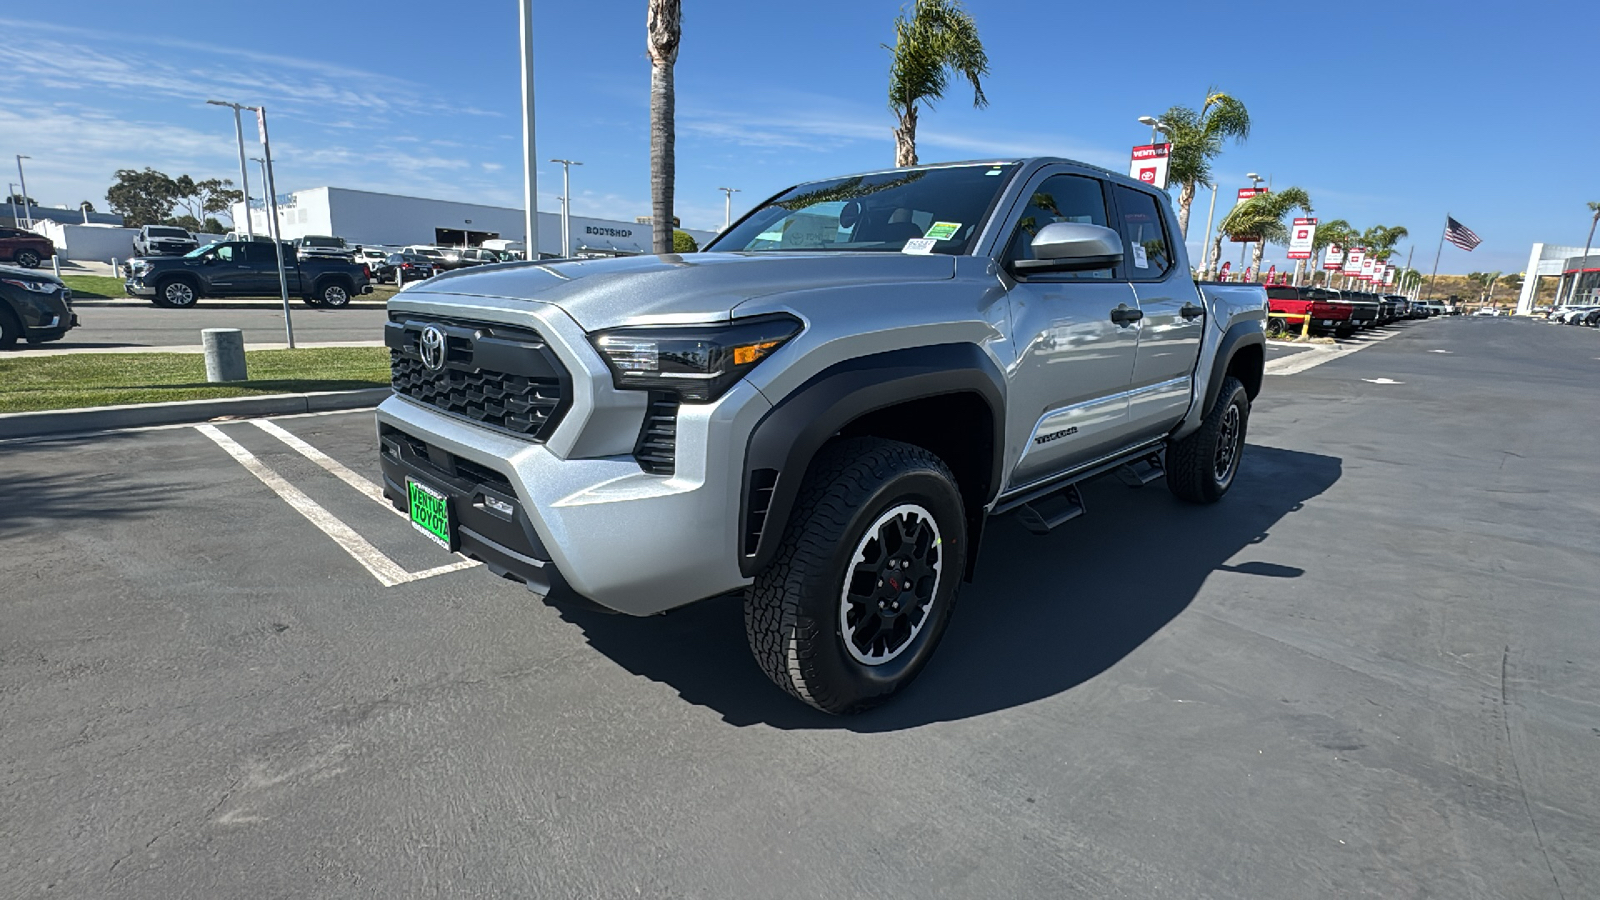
(1460, 235)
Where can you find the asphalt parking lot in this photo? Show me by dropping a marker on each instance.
(1370, 671)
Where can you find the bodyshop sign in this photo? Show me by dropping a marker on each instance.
(1150, 164)
(1335, 258)
(1301, 238)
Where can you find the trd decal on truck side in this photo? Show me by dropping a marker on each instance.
(1056, 435)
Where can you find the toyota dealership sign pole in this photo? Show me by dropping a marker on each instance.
(1150, 164)
(1301, 239)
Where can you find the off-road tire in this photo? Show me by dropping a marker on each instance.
(10, 329)
(1193, 463)
(28, 259)
(176, 300)
(793, 611)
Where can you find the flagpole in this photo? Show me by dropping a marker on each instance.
(1436, 255)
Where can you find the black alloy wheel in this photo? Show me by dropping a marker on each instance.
(28, 259)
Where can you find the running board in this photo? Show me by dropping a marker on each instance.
(1047, 513)
(1141, 472)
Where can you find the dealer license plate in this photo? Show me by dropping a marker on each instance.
(430, 513)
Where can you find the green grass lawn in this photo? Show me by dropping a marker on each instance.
(75, 380)
(94, 286)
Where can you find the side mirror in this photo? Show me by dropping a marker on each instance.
(1072, 247)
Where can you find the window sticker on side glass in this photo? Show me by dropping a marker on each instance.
(943, 231)
(918, 245)
(1139, 258)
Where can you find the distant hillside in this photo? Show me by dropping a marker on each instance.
(1470, 292)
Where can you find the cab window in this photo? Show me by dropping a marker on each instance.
(1147, 252)
(224, 253)
(1060, 198)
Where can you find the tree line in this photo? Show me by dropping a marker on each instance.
(150, 197)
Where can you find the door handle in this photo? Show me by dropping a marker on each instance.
(1191, 312)
(1122, 315)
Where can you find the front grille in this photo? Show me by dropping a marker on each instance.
(504, 377)
(656, 451)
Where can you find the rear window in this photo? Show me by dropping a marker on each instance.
(168, 232)
(329, 242)
(1283, 293)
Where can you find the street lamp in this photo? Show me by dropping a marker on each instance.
(244, 176)
(727, 206)
(250, 216)
(1255, 180)
(273, 231)
(27, 208)
(1156, 125)
(566, 204)
(11, 194)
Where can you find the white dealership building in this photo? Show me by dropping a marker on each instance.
(392, 220)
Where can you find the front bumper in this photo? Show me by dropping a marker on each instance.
(597, 526)
(136, 288)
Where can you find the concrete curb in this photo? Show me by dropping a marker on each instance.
(142, 415)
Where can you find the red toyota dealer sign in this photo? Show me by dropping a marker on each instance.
(1150, 164)
(1334, 259)
(1301, 238)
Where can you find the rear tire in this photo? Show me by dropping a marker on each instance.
(28, 259)
(851, 608)
(1202, 466)
(334, 295)
(1275, 328)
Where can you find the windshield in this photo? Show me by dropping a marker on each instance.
(198, 252)
(921, 211)
(168, 232)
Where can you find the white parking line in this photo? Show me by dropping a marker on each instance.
(385, 570)
(1316, 356)
(338, 469)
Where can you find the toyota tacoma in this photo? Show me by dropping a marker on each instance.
(824, 407)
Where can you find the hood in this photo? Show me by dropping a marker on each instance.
(22, 274)
(666, 289)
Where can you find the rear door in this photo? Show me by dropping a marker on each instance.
(1174, 318)
(1067, 400)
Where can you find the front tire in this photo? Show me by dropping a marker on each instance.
(851, 608)
(1202, 466)
(176, 293)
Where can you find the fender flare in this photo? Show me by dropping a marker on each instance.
(1242, 334)
(782, 445)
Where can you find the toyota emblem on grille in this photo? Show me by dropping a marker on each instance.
(431, 348)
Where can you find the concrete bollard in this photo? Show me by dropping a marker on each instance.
(55, 263)
(224, 354)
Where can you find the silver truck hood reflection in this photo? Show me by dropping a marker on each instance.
(700, 287)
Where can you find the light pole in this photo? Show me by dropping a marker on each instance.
(84, 208)
(1205, 248)
(727, 206)
(247, 213)
(27, 208)
(244, 176)
(530, 183)
(273, 231)
(566, 204)
(1156, 126)
(11, 194)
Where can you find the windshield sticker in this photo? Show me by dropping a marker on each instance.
(994, 171)
(943, 231)
(918, 245)
(1139, 257)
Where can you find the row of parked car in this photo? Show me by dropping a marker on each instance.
(1341, 313)
(1580, 314)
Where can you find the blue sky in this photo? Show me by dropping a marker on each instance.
(1391, 115)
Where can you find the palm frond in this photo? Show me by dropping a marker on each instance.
(937, 40)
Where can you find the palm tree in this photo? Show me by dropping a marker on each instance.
(1594, 207)
(1197, 139)
(938, 40)
(1260, 219)
(1381, 239)
(664, 28)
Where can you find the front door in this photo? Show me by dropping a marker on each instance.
(1067, 399)
(1174, 319)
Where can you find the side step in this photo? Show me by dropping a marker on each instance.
(1049, 512)
(1141, 472)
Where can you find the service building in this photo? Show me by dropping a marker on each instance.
(392, 220)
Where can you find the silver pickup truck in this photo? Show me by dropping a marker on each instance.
(823, 407)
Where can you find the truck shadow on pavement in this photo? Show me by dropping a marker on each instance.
(1044, 615)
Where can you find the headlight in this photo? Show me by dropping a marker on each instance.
(697, 362)
(38, 287)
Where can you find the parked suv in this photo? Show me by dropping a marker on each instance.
(24, 247)
(34, 306)
(163, 240)
(823, 407)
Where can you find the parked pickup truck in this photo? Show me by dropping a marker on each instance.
(824, 407)
(1291, 304)
(243, 269)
